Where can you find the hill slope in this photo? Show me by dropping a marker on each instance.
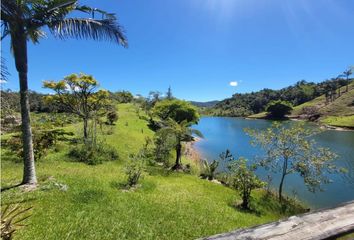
(339, 113)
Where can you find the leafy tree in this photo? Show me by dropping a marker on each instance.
(278, 109)
(25, 20)
(77, 93)
(346, 74)
(244, 180)
(123, 96)
(177, 110)
(290, 150)
(177, 117)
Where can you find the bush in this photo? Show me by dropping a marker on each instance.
(164, 144)
(43, 140)
(93, 154)
(244, 180)
(136, 165)
(133, 171)
(278, 109)
(112, 117)
(209, 169)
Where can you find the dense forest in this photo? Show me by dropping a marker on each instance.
(246, 104)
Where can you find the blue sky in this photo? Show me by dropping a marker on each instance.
(199, 46)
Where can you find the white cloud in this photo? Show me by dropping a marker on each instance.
(233, 84)
(2, 81)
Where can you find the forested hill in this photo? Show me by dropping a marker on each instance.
(204, 104)
(241, 105)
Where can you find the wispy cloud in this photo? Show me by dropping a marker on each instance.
(2, 81)
(233, 84)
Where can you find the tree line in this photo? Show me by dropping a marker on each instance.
(240, 105)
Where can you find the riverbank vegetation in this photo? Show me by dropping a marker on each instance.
(88, 202)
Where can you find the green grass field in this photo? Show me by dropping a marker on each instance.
(165, 206)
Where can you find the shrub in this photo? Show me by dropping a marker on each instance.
(135, 167)
(164, 144)
(209, 169)
(11, 220)
(244, 180)
(112, 117)
(133, 171)
(43, 140)
(93, 154)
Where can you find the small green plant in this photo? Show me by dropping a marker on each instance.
(12, 217)
(136, 165)
(134, 170)
(209, 169)
(244, 180)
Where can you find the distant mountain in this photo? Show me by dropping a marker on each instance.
(205, 104)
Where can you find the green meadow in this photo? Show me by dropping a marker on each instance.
(78, 201)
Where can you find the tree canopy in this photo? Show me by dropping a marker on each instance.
(78, 94)
(290, 150)
(278, 109)
(178, 110)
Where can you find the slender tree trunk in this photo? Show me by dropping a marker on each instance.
(285, 168)
(19, 44)
(178, 157)
(85, 129)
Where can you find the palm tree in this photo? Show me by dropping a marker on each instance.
(182, 133)
(24, 20)
(346, 74)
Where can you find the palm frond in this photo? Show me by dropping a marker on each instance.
(4, 72)
(82, 28)
(197, 132)
(104, 14)
(35, 35)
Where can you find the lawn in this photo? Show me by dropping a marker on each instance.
(165, 206)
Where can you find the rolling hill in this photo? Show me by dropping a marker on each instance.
(339, 113)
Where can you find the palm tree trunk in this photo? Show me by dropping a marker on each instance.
(178, 164)
(19, 44)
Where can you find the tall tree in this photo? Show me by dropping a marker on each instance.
(169, 95)
(177, 117)
(290, 150)
(77, 94)
(347, 73)
(24, 20)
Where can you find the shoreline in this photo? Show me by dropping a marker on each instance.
(191, 152)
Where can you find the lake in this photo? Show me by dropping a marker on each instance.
(221, 133)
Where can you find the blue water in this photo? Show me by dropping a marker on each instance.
(221, 133)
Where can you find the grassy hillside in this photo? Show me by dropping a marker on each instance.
(339, 113)
(166, 206)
